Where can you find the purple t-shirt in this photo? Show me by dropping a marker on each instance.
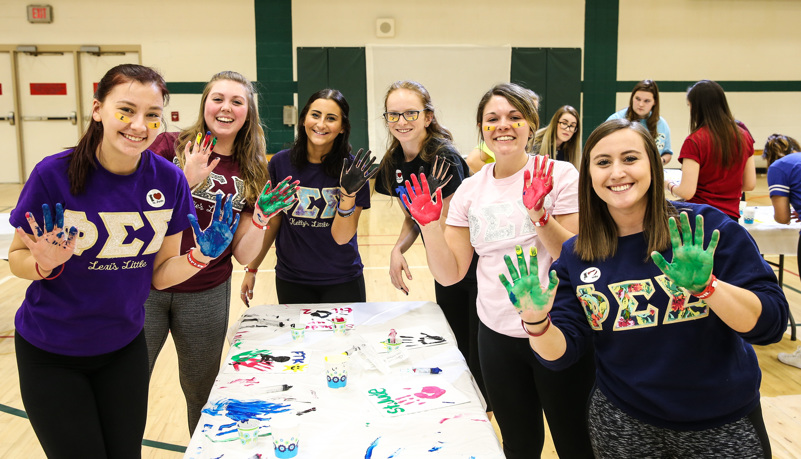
(96, 305)
(306, 251)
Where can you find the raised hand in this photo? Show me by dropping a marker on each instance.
(272, 201)
(692, 265)
(357, 172)
(536, 187)
(196, 165)
(419, 203)
(439, 174)
(530, 300)
(220, 232)
(52, 246)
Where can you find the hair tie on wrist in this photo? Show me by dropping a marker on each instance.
(534, 335)
(36, 264)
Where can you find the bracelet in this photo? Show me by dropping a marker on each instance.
(36, 264)
(341, 193)
(670, 188)
(709, 290)
(534, 335)
(193, 261)
(346, 213)
(251, 270)
(259, 225)
(539, 322)
(543, 220)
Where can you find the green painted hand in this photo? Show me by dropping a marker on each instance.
(692, 265)
(527, 295)
(272, 201)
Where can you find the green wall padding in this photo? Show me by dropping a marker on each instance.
(553, 73)
(600, 62)
(528, 69)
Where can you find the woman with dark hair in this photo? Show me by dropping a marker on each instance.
(517, 200)
(229, 160)
(315, 239)
(644, 107)
(676, 373)
(120, 211)
(560, 139)
(717, 158)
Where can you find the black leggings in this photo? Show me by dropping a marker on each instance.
(521, 388)
(346, 292)
(86, 406)
(458, 303)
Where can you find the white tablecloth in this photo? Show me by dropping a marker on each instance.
(347, 423)
(773, 238)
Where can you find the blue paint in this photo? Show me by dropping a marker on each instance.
(48, 218)
(215, 239)
(395, 453)
(436, 448)
(239, 410)
(370, 448)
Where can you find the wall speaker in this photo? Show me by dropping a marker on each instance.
(385, 28)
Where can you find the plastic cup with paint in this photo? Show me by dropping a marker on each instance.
(285, 430)
(748, 215)
(336, 371)
(248, 432)
(340, 325)
(743, 205)
(392, 347)
(298, 332)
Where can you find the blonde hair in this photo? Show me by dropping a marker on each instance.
(546, 137)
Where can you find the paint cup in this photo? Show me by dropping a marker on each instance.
(248, 432)
(340, 325)
(336, 371)
(743, 205)
(392, 347)
(285, 430)
(748, 215)
(298, 332)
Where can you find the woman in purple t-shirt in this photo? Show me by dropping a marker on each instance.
(80, 344)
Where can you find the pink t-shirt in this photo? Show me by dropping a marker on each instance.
(493, 210)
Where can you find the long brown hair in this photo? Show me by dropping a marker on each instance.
(438, 138)
(653, 118)
(709, 108)
(81, 161)
(597, 237)
(778, 146)
(249, 150)
(340, 148)
(546, 137)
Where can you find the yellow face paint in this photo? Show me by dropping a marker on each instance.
(489, 128)
(122, 117)
(518, 124)
(154, 124)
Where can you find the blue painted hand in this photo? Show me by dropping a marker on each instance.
(220, 232)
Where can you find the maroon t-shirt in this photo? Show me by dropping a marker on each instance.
(224, 178)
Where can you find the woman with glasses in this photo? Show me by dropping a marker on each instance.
(518, 200)
(315, 238)
(559, 140)
(418, 143)
(644, 107)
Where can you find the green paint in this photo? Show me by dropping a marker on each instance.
(271, 202)
(692, 265)
(525, 291)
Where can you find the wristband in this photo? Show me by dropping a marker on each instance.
(259, 225)
(48, 278)
(543, 220)
(192, 261)
(534, 335)
(709, 290)
(346, 213)
(251, 270)
(670, 188)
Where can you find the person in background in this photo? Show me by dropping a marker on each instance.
(644, 107)
(784, 186)
(560, 140)
(672, 340)
(717, 158)
(223, 152)
(520, 199)
(315, 238)
(120, 211)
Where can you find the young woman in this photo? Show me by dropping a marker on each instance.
(233, 163)
(560, 139)
(80, 346)
(717, 158)
(315, 239)
(644, 107)
(677, 375)
(496, 209)
(784, 185)
(418, 143)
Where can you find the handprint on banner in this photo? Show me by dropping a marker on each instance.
(421, 398)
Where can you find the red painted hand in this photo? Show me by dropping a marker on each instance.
(423, 208)
(537, 187)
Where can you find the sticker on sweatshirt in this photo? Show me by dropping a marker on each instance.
(398, 176)
(155, 198)
(590, 275)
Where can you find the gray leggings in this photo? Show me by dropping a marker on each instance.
(198, 322)
(615, 434)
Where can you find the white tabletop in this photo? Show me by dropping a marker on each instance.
(773, 238)
(349, 423)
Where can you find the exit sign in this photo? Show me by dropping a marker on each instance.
(40, 13)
